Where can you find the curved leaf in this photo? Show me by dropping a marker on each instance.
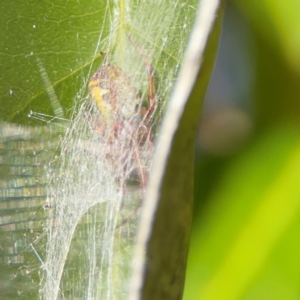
(167, 213)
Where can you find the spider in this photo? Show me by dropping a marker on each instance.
(124, 123)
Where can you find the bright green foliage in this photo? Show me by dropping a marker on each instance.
(245, 241)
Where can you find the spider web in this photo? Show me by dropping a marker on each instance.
(64, 200)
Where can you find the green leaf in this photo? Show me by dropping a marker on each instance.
(63, 35)
(67, 38)
(56, 46)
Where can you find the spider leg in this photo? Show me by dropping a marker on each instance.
(151, 94)
(143, 183)
(147, 112)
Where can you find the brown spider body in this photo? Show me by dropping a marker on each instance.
(114, 95)
(123, 123)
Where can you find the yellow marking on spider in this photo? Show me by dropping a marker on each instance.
(97, 92)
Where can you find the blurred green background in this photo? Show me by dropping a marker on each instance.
(245, 239)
